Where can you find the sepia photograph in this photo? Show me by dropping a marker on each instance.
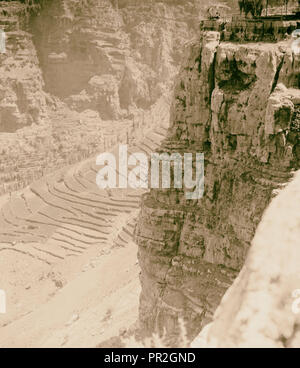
(149, 177)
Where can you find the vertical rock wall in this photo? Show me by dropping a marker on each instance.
(112, 57)
(22, 98)
(261, 308)
(239, 105)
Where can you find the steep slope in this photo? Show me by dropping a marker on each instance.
(261, 309)
(108, 58)
(237, 103)
(62, 239)
(79, 76)
(22, 99)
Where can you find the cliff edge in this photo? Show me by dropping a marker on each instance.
(239, 104)
(261, 309)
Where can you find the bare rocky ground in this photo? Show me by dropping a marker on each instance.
(68, 258)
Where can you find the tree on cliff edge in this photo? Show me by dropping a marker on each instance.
(254, 7)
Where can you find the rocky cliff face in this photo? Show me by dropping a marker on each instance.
(22, 98)
(111, 57)
(239, 104)
(81, 75)
(261, 309)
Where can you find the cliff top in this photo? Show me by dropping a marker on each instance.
(272, 29)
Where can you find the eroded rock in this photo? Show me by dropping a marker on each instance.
(261, 308)
(236, 103)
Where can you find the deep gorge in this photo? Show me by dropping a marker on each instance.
(80, 77)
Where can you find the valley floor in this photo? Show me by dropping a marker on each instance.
(68, 260)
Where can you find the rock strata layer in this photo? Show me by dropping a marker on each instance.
(79, 76)
(239, 104)
(261, 309)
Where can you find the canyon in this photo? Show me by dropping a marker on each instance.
(86, 267)
(78, 78)
(69, 76)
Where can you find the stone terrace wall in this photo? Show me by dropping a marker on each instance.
(69, 145)
(251, 30)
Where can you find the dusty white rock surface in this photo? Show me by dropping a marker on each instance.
(261, 308)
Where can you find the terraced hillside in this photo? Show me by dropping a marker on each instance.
(61, 225)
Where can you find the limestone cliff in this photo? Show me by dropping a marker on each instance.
(110, 56)
(261, 309)
(239, 104)
(79, 76)
(22, 98)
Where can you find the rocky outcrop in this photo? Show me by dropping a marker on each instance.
(112, 56)
(261, 309)
(22, 98)
(239, 104)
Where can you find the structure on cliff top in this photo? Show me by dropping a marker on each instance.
(274, 27)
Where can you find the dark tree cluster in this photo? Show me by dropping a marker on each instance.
(253, 7)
